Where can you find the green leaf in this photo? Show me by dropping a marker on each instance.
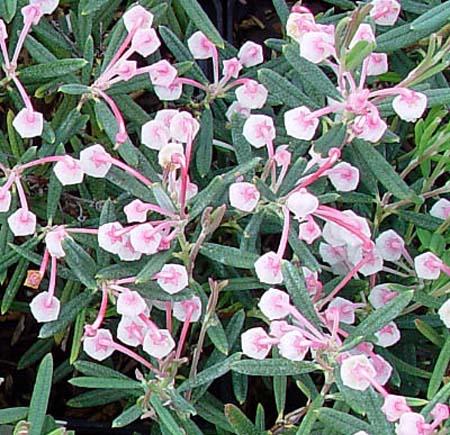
(166, 418)
(88, 7)
(14, 284)
(112, 383)
(154, 265)
(46, 71)
(440, 370)
(242, 147)
(341, 422)
(199, 17)
(97, 398)
(203, 144)
(334, 138)
(8, 9)
(420, 220)
(97, 370)
(128, 416)
(229, 256)
(383, 171)
(40, 396)
(378, 422)
(282, 10)
(239, 421)
(80, 263)
(310, 418)
(75, 89)
(217, 335)
(355, 57)
(11, 415)
(273, 367)
(34, 353)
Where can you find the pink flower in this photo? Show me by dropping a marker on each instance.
(444, 313)
(99, 346)
(251, 54)
(302, 204)
(162, 73)
(364, 33)
(377, 63)
(356, 370)
(373, 261)
(268, 268)
(282, 156)
(136, 211)
(165, 116)
(300, 124)
(137, 18)
(131, 330)
(394, 407)
(53, 241)
(231, 68)
(130, 304)
(309, 231)
(158, 343)
(45, 307)
(155, 134)
(69, 171)
(410, 105)
(256, 343)
(388, 335)
(317, 46)
(238, 108)
(5, 200)
(168, 152)
(47, 6)
(32, 14)
(259, 130)
(244, 196)
(180, 309)
(428, 266)
(412, 423)
(252, 94)
(275, 304)
(169, 93)
(294, 346)
(95, 161)
(441, 209)
(110, 237)
(184, 127)
(28, 123)
(22, 222)
(299, 24)
(172, 278)
(369, 127)
(345, 308)
(200, 46)
(3, 31)
(380, 295)
(390, 245)
(127, 251)
(385, 12)
(144, 238)
(382, 368)
(344, 177)
(145, 42)
(126, 69)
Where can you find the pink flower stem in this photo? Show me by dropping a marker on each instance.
(191, 82)
(8, 184)
(28, 22)
(184, 330)
(153, 328)
(215, 58)
(168, 306)
(317, 335)
(52, 283)
(363, 76)
(23, 93)
(21, 193)
(5, 54)
(389, 91)
(325, 110)
(122, 134)
(131, 171)
(42, 161)
(446, 269)
(408, 257)
(283, 172)
(376, 385)
(103, 307)
(160, 210)
(285, 234)
(351, 81)
(241, 81)
(43, 266)
(130, 280)
(83, 230)
(185, 177)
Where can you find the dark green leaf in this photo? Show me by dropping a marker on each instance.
(273, 367)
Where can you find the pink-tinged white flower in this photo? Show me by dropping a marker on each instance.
(137, 18)
(145, 238)
(388, 335)
(412, 423)
(169, 93)
(252, 94)
(45, 307)
(394, 407)
(256, 343)
(53, 242)
(364, 33)
(131, 330)
(390, 245)
(275, 304)
(68, 171)
(410, 105)
(251, 54)
(5, 200)
(336, 256)
(192, 305)
(300, 124)
(345, 308)
(162, 73)
(244, 196)
(385, 12)
(298, 24)
(428, 266)
(3, 31)
(47, 6)
(309, 231)
(32, 14)
(268, 268)
(126, 69)
(280, 327)
(28, 123)
(377, 63)
(168, 152)
(130, 303)
(369, 127)
(259, 130)
(336, 235)
(110, 237)
(158, 344)
(145, 42)
(166, 115)
(441, 209)
(317, 46)
(99, 346)
(22, 222)
(282, 156)
(361, 432)
(172, 278)
(191, 190)
(127, 251)
(382, 368)
(294, 346)
(231, 68)
(373, 261)
(238, 108)
(184, 127)
(302, 204)
(444, 313)
(344, 177)
(356, 370)
(439, 413)
(95, 161)
(136, 211)
(155, 134)
(200, 46)
(380, 295)
(312, 281)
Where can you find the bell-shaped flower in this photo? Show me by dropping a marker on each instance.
(280, 327)
(126, 69)
(383, 370)
(441, 209)
(136, 211)
(130, 304)
(373, 260)
(244, 196)
(356, 371)
(47, 6)
(428, 266)
(377, 63)
(172, 278)
(45, 307)
(336, 235)
(137, 17)
(166, 115)
(317, 46)
(345, 308)
(28, 123)
(275, 304)
(169, 93)
(313, 284)
(256, 343)
(251, 54)
(145, 42)
(237, 108)
(412, 423)
(268, 268)
(95, 161)
(127, 251)
(309, 231)
(231, 68)
(110, 237)
(252, 94)
(32, 14)
(344, 177)
(282, 156)
(300, 124)
(369, 127)
(131, 330)
(259, 130)
(158, 343)
(145, 238)
(388, 335)
(162, 73)
(390, 245)
(394, 407)
(184, 127)
(363, 33)
(299, 24)
(99, 346)
(444, 313)
(69, 171)
(155, 134)
(22, 222)
(5, 200)
(410, 105)
(192, 306)
(385, 12)
(380, 295)
(167, 152)
(200, 46)
(53, 242)
(302, 204)
(294, 346)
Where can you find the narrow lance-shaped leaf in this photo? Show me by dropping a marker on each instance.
(80, 263)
